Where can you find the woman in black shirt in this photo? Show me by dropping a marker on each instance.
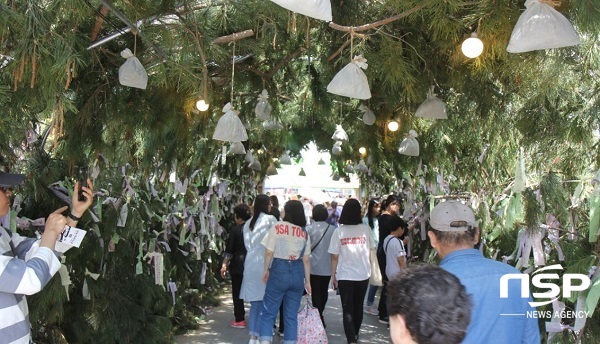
(392, 208)
(235, 254)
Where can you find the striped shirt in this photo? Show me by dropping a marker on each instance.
(25, 268)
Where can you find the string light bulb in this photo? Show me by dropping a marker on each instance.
(202, 105)
(362, 150)
(393, 125)
(472, 46)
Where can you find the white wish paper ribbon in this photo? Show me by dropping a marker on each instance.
(85, 290)
(65, 279)
(123, 216)
(532, 241)
(26, 223)
(172, 287)
(482, 156)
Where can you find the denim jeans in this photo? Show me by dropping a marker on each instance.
(285, 285)
(254, 318)
(371, 295)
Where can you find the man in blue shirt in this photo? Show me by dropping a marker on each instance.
(493, 319)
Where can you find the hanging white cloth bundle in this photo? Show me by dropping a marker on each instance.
(362, 167)
(255, 165)
(368, 115)
(132, 73)
(285, 159)
(272, 125)
(249, 157)
(230, 128)
(318, 9)
(271, 170)
(410, 145)
(349, 167)
(237, 148)
(263, 108)
(541, 27)
(337, 148)
(351, 81)
(432, 107)
(339, 134)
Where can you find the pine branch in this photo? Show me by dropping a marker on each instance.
(365, 27)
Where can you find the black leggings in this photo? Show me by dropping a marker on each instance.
(238, 304)
(320, 294)
(352, 294)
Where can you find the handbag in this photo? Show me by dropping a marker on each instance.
(375, 278)
(310, 326)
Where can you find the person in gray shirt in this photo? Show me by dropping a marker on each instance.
(320, 260)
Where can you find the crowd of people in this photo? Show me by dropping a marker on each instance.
(292, 253)
(275, 257)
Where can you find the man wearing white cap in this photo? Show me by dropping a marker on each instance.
(28, 264)
(495, 320)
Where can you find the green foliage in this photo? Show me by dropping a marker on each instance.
(544, 101)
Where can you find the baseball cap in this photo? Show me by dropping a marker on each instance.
(11, 179)
(452, 216)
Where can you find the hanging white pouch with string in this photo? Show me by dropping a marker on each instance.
(368, 115)
(351, 81)
(272, 125)
(410, 145)
(263, 108)
(541, 27)
(337, 148)
(132, 73)
(318, 9)
(230, 128)
(340, 133)
(432, 107)
(237, 148)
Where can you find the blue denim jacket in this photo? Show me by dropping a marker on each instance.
(493, 319)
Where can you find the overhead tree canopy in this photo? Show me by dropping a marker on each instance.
(59, 62)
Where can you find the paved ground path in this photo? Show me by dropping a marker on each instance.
(216, 330)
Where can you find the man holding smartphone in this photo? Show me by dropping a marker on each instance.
(28, 264)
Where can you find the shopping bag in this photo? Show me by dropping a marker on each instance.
(310, 327)
(375, 278)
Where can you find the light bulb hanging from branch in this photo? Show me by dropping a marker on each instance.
(202, 104)
(472, 46)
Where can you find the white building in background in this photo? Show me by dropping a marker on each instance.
(317, 185)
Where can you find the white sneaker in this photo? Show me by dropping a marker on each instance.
(372, 310)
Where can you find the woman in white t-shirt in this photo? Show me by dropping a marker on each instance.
(286, 272)
(350, 266)
(253, 288)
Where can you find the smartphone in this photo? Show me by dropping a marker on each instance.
(82, 177)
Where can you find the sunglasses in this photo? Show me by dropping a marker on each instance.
(5, 188)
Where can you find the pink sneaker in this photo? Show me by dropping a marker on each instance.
(238, 324)
(372, 310)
